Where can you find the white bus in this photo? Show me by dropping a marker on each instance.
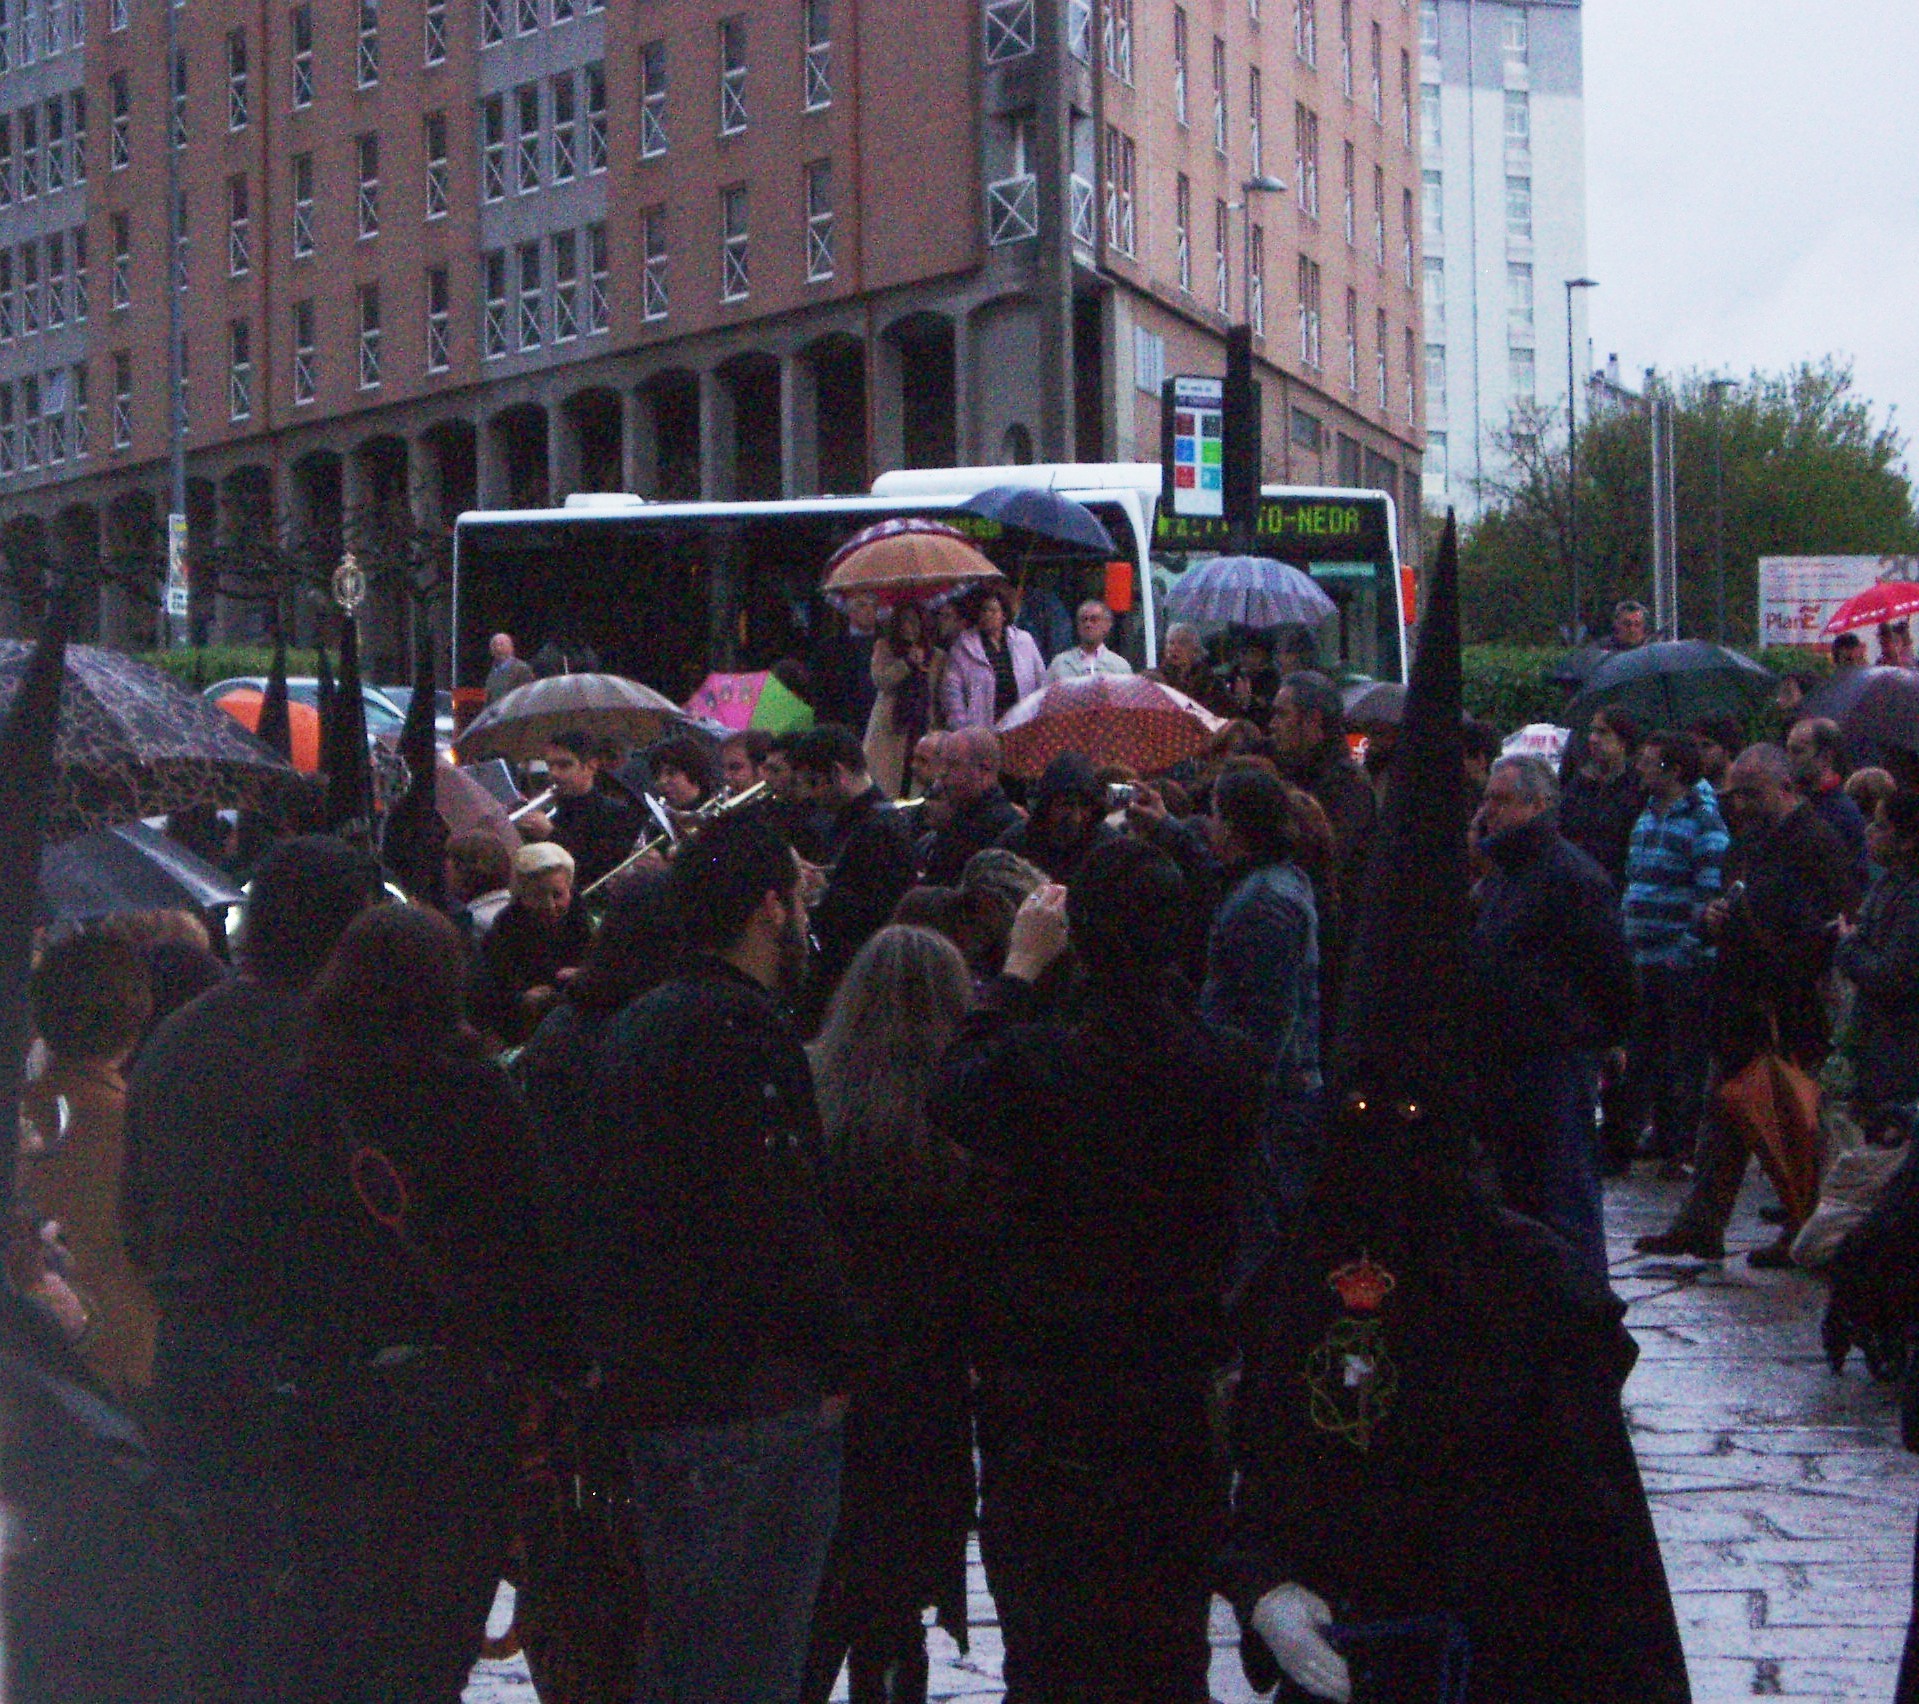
(666, 592)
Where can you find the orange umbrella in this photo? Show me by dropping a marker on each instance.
(243, 705)
(906, 561)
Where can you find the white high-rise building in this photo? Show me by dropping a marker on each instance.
(1504, 158)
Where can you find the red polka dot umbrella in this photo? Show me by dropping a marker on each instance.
(1107, 719)
(1889, 600)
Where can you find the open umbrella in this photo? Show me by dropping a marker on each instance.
(1107, 719)
(1889, 600)
(1886, 711)
(758, 699)
(1249, 591)
(127, 868)
(905, 561)
(1374, 703)
(1671, 684)
(1836, 695)
(1575, 668)
(608, 708)
(1043, 513)
(465, 803)
(133, 743)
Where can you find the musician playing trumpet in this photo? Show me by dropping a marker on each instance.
(593, 817)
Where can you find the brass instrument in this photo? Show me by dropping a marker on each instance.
(717, 806)
(538, 802)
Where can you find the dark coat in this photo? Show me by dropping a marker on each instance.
(1882, 961)
(1352, 811)
(1550, 969)
(872, 867)
(1068, 776)
(1498, 1485)
(599, 828)
(520, 953)
(713, 1291)
(1598, 818)
(976, 825)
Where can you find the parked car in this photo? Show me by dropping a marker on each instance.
(402, 699)
(384, 718)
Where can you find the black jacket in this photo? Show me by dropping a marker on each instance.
(872, 867)
(599, 828)
(712, 1289)
(976, 825)
(1550, 969)
(1068, 776)
(1598, 818)
(1352, 809)
(1882, 961)
(520, 953)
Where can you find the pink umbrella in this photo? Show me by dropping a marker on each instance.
(1890, 600)
(756, 700)
(1124, 720)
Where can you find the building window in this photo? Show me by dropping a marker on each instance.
(1379, 74)
(305, 362)
(6, 296)
(1406, 275)
(239, 370)
(366, 64)
(1520, 370)
(302, 205)
(236, 79)
(1513, 38)
(597, 151)
(1116, 37)
(120, 280)
(302, 57)
(1306, 31)
(526, 152)
(1436, 377)
(1308, 434)
(493, 341)
(81, 446)
(1519, 300)
(1519, 208)
(566, 287)
(1436, 295)
(369, 336)
(652, 100)
(1255, 137)
(366, 150)
(653, 303)
(439, 169)
(1012, 201)
(9, 434)
(1346, 48)
(532, 290)
(1309, 313)
(1180, 52)
(818, 21)
(732, 76)
(56, 281)
(439, 321)
(1306, 159)
(117, 11)
(239, 227)
(1349, 176)
(492, 22)
(1434, 205)
(434, 32)
(1380, 374)
(181, 243)
(562, 12)
(1219, 96)
(56, 132)
(819, 221)
(1411, 369)
(6, 161)
(1352, 340)
(1519, 122)
(1256, 282)
(122, 400)
(79, 246)
(1379, 217)
(180, 99)
(526, 17)
(599, 304)
(1405, 97)
(1222, 272)
(565, 130)
(1121, 165)
(120, 126)
(29, 152)
(1183, 231)
(29, 289)
(1429, 27)
(1429, 120)
(734, 279)
(1010, 30)
(493, 148)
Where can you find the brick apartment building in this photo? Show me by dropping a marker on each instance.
(445, 254)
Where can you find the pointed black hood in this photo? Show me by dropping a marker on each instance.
(414, 840)
(275, 726)
(350, 770)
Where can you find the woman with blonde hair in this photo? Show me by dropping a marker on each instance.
(906, 1495)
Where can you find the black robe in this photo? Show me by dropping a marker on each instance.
(1496, 1488)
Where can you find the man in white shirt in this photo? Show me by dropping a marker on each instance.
(1090, 656)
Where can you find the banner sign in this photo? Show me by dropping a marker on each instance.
(1798, 594)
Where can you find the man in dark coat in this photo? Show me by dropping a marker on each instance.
(1067, 820)
(595, 819)
(1103, 1150)
(1437, 1495)
(1551, 986)
(978, 810)
(712, 1295)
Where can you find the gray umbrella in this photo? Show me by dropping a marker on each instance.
(1248, 591)
(128, 868)
(608, 708)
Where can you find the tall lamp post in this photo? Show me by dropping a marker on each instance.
(1716, 389)
(1572, 460)
(1261, 183)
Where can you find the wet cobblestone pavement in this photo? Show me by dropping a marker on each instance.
(1783, 1501)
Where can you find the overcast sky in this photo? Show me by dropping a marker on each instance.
(1753, 187)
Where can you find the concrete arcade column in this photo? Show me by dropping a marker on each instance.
(966, 451)
(799, 427)
(885, 408)
(719, 438)
(562, 453)
(639, 443)
(489, 466)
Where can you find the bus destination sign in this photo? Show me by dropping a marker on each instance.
(1301, 529)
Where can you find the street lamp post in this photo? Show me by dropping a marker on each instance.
(1572, 460)
(1716, 389)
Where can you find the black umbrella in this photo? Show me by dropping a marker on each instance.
(1045, 514)
(1671, 684)
(1886, 711)
(1836, 696)
(1576, 667)
(133, 743)
(128, 868)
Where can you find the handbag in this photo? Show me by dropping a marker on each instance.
(1774, 1104)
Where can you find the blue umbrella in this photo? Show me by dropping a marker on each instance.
(1249, 591)
(1045, 514)
(130, 867)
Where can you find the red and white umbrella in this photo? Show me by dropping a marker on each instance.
(1107, 719)
(1889, 600)
(908, 560)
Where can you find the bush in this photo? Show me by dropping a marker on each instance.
(201, 665)
(1506, 685)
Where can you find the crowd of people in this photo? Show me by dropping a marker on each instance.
(874, 1172)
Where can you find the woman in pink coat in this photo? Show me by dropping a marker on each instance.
(991, 666)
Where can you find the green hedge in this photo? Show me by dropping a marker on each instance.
(1506, 685)
(202, 665)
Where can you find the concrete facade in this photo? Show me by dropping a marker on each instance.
(444, 254)
(1504, 200)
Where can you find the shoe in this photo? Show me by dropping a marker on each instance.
(1773, 1257)
(1672, 1169)
(1773, 1214)
(1676, 1241)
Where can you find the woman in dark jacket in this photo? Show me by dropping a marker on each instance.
(534, 948)
(1881, 956)
(906, 1494)
(403, 1197)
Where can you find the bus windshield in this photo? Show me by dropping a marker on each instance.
(665, 593)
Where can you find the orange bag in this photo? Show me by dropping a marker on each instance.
(1775, 1106)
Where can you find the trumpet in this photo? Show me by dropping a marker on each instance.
(538, 802)
(717, 806)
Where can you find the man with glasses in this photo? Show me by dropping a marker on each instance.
(968, 788)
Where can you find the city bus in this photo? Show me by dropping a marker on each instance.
(666, 592)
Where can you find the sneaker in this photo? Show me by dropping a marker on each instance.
(1677, 1241)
